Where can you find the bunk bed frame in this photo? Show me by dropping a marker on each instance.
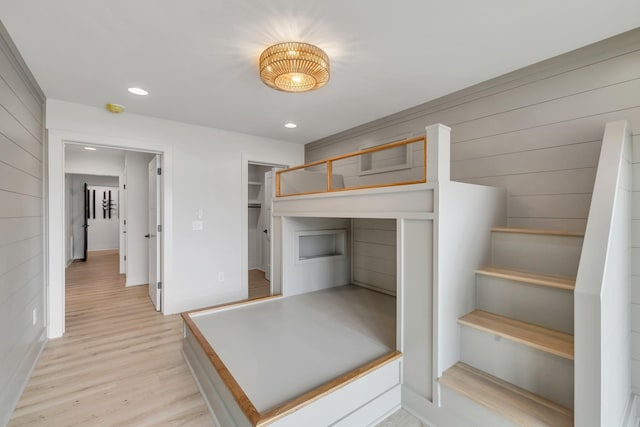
(433, 275)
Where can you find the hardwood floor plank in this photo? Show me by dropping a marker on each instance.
(259, 286)
(119, 362)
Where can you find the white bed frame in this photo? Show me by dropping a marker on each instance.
(439, 246)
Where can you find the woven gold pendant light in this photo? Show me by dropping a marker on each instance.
(294, 67)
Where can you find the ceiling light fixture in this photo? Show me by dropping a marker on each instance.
(138, 91)
(290, 125)
(294, 67)
(90, 148)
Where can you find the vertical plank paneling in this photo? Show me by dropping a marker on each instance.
(21, 225)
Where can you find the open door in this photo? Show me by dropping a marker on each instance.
(268, 197)
(153, 235)
(85, 225)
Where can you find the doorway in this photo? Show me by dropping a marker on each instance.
(260, 193)
(91, 215)
(130, 168)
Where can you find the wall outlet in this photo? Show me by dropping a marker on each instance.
(35, 316)
(221, 276)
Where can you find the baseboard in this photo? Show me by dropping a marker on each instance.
(127, 284)
(18, 383)
(428, 412)
(632, 414)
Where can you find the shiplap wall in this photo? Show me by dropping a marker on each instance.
(536, 131)
(635, 268)
(374, 253)
(21, 224)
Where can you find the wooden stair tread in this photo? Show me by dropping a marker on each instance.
(512, 402)
(544, 339)
(542, 231)
(550, 280)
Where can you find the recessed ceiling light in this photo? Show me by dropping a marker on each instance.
(290, 125)
(90, 148)
(138, 91)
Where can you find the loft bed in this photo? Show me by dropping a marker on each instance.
(332, 347)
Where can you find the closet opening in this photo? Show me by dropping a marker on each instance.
(260, 193)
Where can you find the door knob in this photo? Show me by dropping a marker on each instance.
(147, 236)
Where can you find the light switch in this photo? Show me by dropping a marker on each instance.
(197, 225)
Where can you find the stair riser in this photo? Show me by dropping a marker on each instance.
(470, 413)
(537, 253)
(540, 305)
(544, 374)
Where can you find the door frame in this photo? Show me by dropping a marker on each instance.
(55, 218)
(246, 160)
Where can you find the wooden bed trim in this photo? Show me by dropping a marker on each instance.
(230, 382)
(357, 153)
(325, 389)
(250, 411)
(329, 168)
(360, 187)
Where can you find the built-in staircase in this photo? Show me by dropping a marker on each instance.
(516, 349)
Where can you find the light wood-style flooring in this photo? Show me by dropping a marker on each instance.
(259, 286)
(119, 362)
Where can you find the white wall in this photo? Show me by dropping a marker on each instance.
(635, 269)
(99, 162)
(137, 195)
(536, 131)
(22, 265)
(203, 172)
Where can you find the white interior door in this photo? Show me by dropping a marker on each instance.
(153, 233)
(268, 197)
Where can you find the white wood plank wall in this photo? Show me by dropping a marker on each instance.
(635, 268)
(536, 131)
(21, 224)
(374, 253)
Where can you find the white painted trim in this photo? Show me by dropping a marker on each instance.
(55, 215)
(244, 233)
(438, 153)
(590, 281)
(426, 411)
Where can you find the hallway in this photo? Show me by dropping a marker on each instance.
(119, 362)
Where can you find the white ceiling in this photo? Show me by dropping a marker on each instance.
(198, 58)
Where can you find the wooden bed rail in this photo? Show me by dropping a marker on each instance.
(329, 167)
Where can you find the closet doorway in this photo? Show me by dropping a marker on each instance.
(260, 193)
